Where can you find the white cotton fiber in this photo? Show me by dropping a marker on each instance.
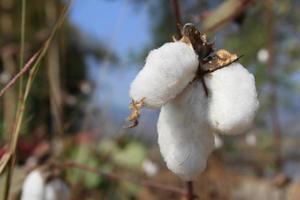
(56, 189)
(184, 136)
(35, 188)
(167, 71)
(232, 99)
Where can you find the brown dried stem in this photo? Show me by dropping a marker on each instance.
(190, 191)
(273, 90)
(25, 69)
(176, 8)
(22, 102)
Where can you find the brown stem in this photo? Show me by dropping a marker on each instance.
(190, 190)
(272, 81)
(177, 14)
(204, 86)
(53, 69)
(25, 69)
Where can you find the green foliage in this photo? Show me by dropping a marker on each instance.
(131, 156)
(109, 156)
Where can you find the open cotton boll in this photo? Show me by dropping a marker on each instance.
(167, 71)
(232, 99)
(184, 136)
(35, 188)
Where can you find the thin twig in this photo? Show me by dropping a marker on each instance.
(21, 108)
(22, 46)
(25, 69)
(118, 177)
(272, 81)
(176, 8)
(190, 190)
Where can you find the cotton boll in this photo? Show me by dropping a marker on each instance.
(232, 99)
(56, 189)
(149, 167)
(35, 188)
(184, 136)
(263, 55)
(218, 141)
(167, 71)
(251, 139)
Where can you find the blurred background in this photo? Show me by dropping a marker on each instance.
(78, 103)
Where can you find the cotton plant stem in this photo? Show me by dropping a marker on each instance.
(30, 80)
(53, 74)
(23, 100)
(22, 45)
(176, 8)
(25, 69)
(190, 190)
(10, 97)
(273, 96)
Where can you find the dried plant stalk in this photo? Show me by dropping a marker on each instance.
(23, 100)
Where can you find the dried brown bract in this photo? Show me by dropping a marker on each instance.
(198, 40)
(221, 59)
(135, 108)
(225, 58)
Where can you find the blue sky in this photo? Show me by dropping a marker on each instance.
(123, 28)
(120, 25)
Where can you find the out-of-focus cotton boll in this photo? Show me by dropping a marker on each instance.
(184, 136)
(263, 55)
(232, 99)
(56, 189)
(218, 141)
(251, 139)
(167, 71)
(149, 167)
(35, 188)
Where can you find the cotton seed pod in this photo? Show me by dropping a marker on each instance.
(35, 188)
(167, 71)
(232, 101)
(184, 136)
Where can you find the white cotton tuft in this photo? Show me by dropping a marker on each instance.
(263, 55)
(35, 188)
(167, 71)
(56, 189)
(218, 141)
(232, 99)
(184, 136)
(149, 167)
(251, 139)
